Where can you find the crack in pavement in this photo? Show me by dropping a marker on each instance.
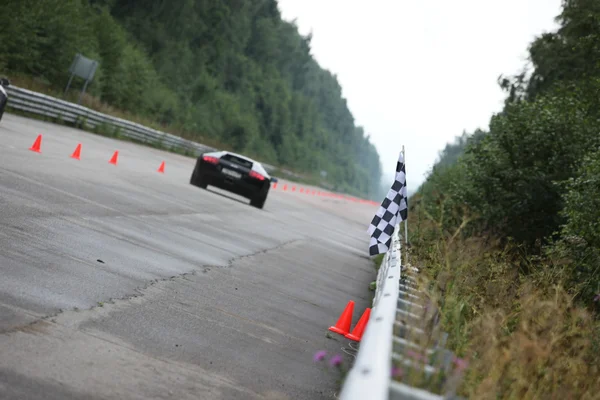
(139, 291)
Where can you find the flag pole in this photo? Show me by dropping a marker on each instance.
(405, 222)
(384, 226)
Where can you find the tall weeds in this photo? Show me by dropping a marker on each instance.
(509, 314)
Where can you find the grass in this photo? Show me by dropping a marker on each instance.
(106, 131)
(103, 130)
(522, 334)
(378, 260)
(422, 363)
(94, 103)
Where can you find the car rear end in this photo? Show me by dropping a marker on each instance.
(232, 173)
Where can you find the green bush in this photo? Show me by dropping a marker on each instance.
(531, 146)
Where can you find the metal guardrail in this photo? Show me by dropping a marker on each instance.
(48, 106)
(394, 335)
(370, 376)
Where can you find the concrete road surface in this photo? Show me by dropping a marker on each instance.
(117, 282)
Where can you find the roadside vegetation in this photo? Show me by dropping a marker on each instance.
(507, 227)
(231, 75)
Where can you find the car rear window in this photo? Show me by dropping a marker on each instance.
(237, 160)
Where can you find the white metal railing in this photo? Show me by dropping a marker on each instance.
(387, 340)
(51, 107)
(370, 376)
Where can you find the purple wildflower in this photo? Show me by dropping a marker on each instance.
(461, 364)
(597, 298)
(397, 372)
(320, 356)
(414, 355)
(336, 361)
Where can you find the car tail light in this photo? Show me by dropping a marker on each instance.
(256, 175)
(211, 159)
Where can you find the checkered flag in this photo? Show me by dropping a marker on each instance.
(394, 206)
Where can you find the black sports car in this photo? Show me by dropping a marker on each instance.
(234, 173)
(4, 83)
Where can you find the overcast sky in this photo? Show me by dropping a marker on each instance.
(418, 73)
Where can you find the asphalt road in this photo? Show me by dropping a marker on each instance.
(117, 282)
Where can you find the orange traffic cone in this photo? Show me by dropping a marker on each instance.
(37, 145)
(284, 188)
(357, 333)
(274, 185)
(161, 169)
(77, 153)
(114, 158)
(343, 324)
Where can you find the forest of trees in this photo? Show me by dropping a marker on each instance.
(229, 70)
(508, 225)
(534, 176)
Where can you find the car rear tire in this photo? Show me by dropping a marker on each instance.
(197, 180)
(259, 201)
